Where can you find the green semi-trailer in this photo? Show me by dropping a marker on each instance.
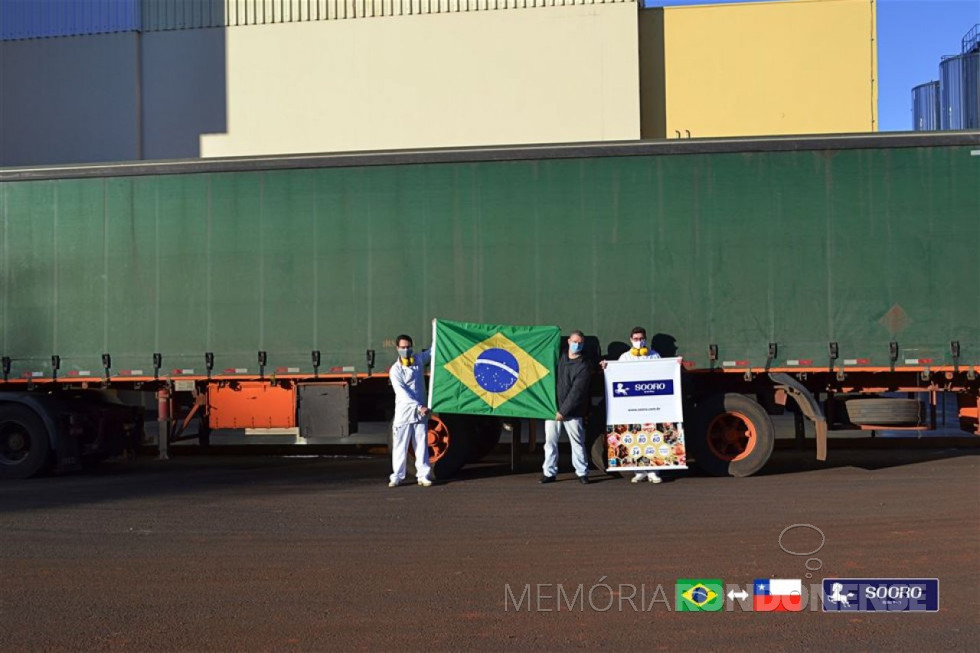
(265, 291)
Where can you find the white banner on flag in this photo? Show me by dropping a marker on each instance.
(643, 391)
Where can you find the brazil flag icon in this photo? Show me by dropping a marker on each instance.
(489, 369)
(699, 594)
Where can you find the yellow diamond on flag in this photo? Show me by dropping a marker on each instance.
(496, 370)
(700, 595)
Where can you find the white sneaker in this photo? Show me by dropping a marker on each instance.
(394, 483)
(639, 477)
(654, 477)
(424, 482)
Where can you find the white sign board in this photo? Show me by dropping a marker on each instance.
(644, 415)
(644, 391)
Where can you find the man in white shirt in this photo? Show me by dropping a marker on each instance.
(640, 350)
(411, 414)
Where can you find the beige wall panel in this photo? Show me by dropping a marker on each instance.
(802, 66)
(495, 77)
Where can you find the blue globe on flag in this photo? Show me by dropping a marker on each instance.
(496, 370)
(699, 595)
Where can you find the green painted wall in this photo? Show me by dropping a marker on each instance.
(798, 248)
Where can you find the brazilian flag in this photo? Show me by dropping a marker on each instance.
(491, 369)
(699, 594)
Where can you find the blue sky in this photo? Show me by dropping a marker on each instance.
(912, 36)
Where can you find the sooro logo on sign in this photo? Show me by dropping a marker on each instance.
(643, 388)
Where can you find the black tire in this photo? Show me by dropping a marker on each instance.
(597, 453)
(595, 426)
(24, 445)
(485, 435)
(884, 412)
(595, 438)
(752, 433)
(204, 434)
(460, 442)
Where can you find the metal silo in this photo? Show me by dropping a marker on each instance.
(952, 102)
(959, 85)
(925, 106)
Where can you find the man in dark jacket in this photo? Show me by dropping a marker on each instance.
(573, 386)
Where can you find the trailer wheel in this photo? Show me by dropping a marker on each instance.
(24, 445)
(597, 453)
(732, 435)
(884, 411)
(449, 444)
(596, 438)
(485, 437)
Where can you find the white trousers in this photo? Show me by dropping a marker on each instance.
(576, 435)
(403, 435)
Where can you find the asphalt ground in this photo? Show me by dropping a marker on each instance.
(317, 553)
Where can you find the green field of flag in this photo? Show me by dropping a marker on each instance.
(699, 594)
(491, 369)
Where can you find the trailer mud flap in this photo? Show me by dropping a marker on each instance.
(808, 404)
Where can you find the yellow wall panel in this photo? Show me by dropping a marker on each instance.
(793, 67)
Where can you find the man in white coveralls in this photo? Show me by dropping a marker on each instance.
(407, 375)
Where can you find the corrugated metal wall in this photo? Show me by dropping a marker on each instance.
(31, 19)
(257, 12)
(27, 19)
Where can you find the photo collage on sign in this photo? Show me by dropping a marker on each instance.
(646, 445)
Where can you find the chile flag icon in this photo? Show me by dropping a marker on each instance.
(777, 595)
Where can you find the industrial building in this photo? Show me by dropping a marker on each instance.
(105, 80)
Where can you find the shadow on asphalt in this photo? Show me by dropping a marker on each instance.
(194, 476)
(257, 475)
(793, 461)
(783, 461)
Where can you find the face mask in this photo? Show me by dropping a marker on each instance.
(575, 347)
(405, 352)
(639, 344)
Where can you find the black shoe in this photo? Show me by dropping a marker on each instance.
(546, 479)
(584, 480)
